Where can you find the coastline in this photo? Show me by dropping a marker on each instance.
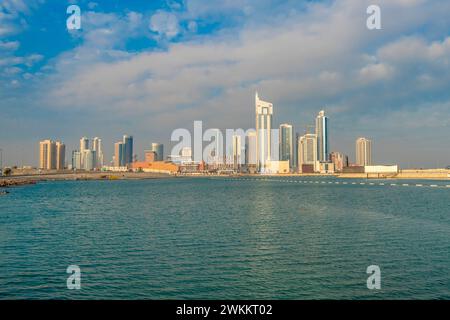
(18, 180)
(26, 179)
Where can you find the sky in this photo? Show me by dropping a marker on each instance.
(146, 68)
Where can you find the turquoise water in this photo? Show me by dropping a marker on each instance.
(201, 238)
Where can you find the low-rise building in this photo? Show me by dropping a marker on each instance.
(381, 169)
(157, 167)
(277, 167)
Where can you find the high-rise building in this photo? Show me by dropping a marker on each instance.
(297, 137)
(60, 155)
(76, 160)
(264, 112)
(128, 150)
(363, 152)
(237, 151)
(322, 137)
(47, 155)
(286, 145)
(214, 152)
(250, 149)
(98, 148)
(84, 145)
(158, 148)
(119, 154)
(307, 150)
(89, 157)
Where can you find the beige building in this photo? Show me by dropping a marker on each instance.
(307, 150)
(119, 154)
(339, 160)
(47, 155)
(363, 152)
(52, 155)
(60, 155)
(381, 169)
(277, 167)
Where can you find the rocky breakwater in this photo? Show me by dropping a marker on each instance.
(6, 183)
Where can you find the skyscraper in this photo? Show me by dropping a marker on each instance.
(296, 139)
(84, 145)
(47, 155)
(237, 151)
(98, 148)
(158, 148)
(128, 150)
(76, 160)
(60, 155)
(286, 145)
(307, 150)
(363, 152)
(250, 149)
(322, 137)
(89, 157)
(119, 154)
(264, 112)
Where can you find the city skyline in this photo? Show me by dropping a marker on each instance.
(273, 150)
(310, 149)
(146, 77)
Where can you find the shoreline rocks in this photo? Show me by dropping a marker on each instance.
(6, 183)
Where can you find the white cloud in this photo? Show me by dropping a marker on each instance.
(323, 57)
(376, 72)
(315, 55)
(12, 13)
(9, 45)
(165, 24)
(28, 61)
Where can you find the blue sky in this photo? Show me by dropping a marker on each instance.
(148, 67)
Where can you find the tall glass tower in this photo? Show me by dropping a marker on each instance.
(97, 147)
(128, 149)
(322, 137)
(286, 145)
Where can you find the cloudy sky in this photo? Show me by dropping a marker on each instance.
(146, 68)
